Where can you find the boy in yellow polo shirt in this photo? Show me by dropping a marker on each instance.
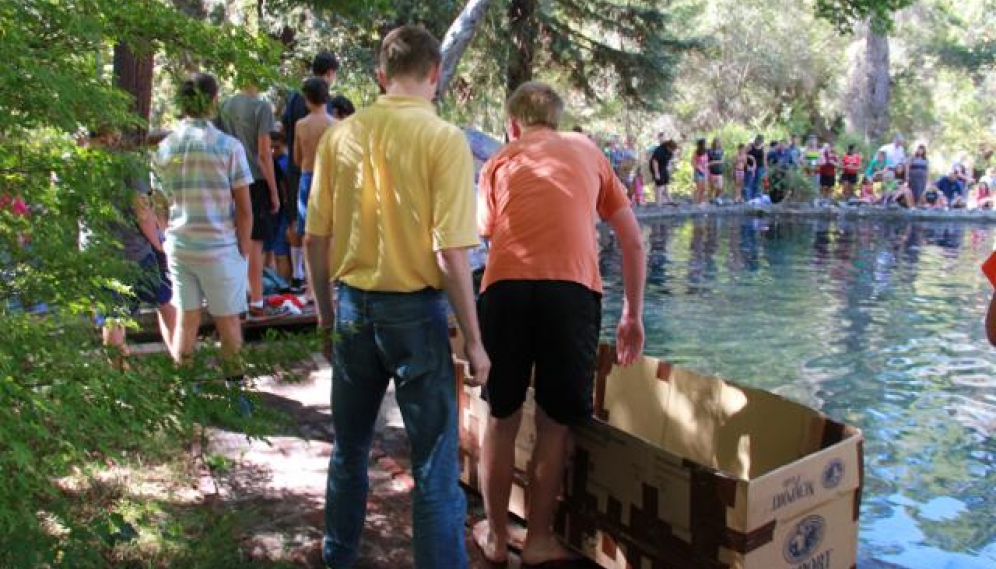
(391, 217)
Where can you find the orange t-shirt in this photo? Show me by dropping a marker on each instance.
(541, 196)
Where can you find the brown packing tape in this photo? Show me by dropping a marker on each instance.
(670, 553)
(645, 537)
(833, 433)
(664, 371)
(861, 479)
(712, 493)
(708, 514)
(604, 360)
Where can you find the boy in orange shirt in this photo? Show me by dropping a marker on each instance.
(541, 304)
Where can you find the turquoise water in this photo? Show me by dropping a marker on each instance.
(878, 324)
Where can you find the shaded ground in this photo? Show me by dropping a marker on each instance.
(277, 488)
(282, 482)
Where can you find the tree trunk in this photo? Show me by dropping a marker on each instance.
(133, 74)
(879, 88)
(856, 95)
(458, 37)
(522, 29)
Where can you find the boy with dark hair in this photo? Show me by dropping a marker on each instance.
(324, 66)
(341, 107)
(206, 176)
(140, 237)
(754, 183)
(390, 220)
(309, 131)
(277, 248)
(249, 118)
(660, 168)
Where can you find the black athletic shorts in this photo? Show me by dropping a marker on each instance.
(846, 178)
(263, 222)
(552, 325)
(827, 181)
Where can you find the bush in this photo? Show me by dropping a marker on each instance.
(66, 409)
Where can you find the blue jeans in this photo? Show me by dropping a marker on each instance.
(753, 183)
(303, 192)
(380, 335)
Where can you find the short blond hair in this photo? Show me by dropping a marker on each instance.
(535, 104)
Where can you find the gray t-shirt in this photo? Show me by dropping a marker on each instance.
(247, 117)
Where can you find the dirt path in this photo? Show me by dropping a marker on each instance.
(282, 482)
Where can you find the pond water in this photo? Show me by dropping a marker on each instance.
(876, 323)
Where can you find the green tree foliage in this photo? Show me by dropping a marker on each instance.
(845, 14)
(945, 89)
(626, 50)
(762, 64)
(64, 405)
(629, 49)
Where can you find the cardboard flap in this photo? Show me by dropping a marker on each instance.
(636, 399)
(697, 423)
(742, 431)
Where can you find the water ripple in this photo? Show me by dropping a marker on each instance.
(875, 323)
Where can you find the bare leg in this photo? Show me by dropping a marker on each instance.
(185, 335)
(167, 324)
(114, 336)
(256, 271)
(497, 469)
(230, 330)
(547, 472)
(283, 263)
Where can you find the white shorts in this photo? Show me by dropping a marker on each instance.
(222, 283)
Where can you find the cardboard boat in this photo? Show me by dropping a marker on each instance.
(681, 470)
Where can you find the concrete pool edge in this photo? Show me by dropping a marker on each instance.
(797, 210)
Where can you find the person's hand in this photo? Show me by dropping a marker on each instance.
(480, 365)
(274, 201)
(629, 340)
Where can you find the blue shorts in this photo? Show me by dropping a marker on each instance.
(277, 244)
(152, 287)
(303, 191)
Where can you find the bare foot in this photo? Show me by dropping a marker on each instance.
(543, 550)
(494, 550)
(516, 536)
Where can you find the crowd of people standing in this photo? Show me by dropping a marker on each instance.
(761, 172)
(379, 211)
(373, 213)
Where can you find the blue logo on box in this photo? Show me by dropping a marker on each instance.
(833, 474)
(805, 539)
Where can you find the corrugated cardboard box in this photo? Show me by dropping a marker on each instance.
(686, 471)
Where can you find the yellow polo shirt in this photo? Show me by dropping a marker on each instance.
(393, 184)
